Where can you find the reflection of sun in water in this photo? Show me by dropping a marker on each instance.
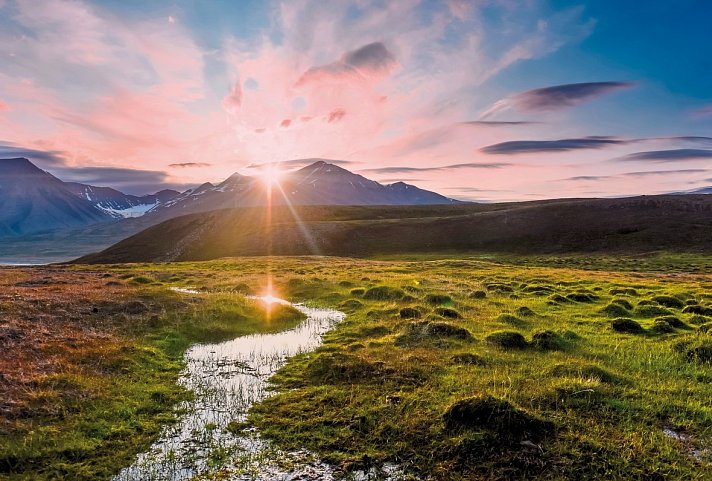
(269, 299)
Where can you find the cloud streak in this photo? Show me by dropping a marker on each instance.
(556, 97)
(470, 165)
(641, 174)
(43, 158)
(563, 145)
(184, 165)
(673, 155)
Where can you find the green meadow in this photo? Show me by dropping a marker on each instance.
(452, 366)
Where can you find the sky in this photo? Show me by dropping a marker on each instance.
(489, 100)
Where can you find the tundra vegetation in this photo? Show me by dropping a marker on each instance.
(452, 366)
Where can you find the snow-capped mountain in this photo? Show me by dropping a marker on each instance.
(32, 200)
(116, 203)
(319, 183)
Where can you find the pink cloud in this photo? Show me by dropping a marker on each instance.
(381, 85)
(336, 115)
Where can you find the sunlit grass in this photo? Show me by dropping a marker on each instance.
(378, 388)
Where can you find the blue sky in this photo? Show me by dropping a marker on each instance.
(483, 99)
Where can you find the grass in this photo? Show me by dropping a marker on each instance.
(529, 379)
(88, 389)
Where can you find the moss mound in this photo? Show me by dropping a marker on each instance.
(651, 311)
(548, 341)
(477, 295)
(487, 413)
(623, 303)
(438, 299)
(701, 310)
(661, 326)
(334, 367)
(558, 299)
(511, 320)
(507, 340)
(524, 311)
(627, 326)
(142, 280)
(615, 310)
(448, 313)
(429, 332)
(582, 297)
(410, 313)
(499, 288)
(616, 291)
(359, 291)
(538, 290)
(469, 359)
(673, 321)
(384, 293)
(698, 319)
(669, 301)
(351, 304)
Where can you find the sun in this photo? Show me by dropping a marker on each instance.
(271, 174)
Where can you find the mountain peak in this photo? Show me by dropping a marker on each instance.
(19, 165)
(322, 166)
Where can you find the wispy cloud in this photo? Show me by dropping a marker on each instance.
(563, 145)
(498, 123)
(131, 181)
(43, 158)
(664, 172)
(646, 173)
(556, 97)
(184, 165)
(472, 165)
(673, 155)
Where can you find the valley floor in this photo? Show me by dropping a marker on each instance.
(454, 367)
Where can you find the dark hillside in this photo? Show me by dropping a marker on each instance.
(637, 224)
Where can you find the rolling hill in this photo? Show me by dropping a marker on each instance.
(636, 224)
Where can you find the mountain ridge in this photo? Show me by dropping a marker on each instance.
(319, 183)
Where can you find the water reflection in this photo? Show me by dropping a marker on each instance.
(228, 378)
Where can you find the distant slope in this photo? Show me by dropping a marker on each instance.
(320, 183)
(638, 224)
(32, 200)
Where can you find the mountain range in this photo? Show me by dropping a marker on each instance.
(321, 208)
(34, 201)
(319, 183)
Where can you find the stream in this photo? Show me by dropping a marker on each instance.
(227, 379)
